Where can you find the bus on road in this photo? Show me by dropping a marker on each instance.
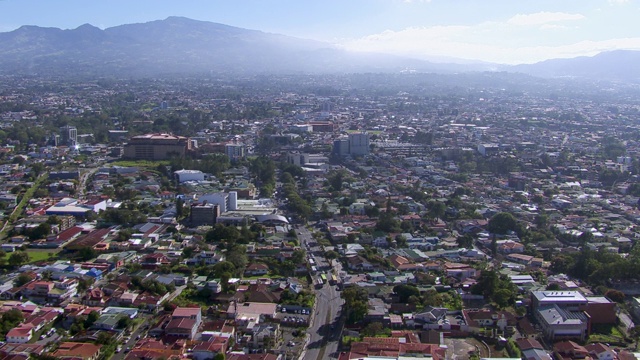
(324, 278)
(333, 279)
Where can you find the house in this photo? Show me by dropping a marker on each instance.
(488, 318)
(20, 351)
(431, 315)
(569, 350)
(185, 322)
(236, 356)
(206, 350)
(256, 269)
(20, 334)
(358, 263)
(532, 350)
(509, 247)
(182, 328)
(263, 332)
(154, 261)
(95, 297)
(601, 351)
(459, 271)
(205, 257)
(106, 322)
(77, 350)
(391, 348)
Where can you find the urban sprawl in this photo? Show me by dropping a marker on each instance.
(387, 217)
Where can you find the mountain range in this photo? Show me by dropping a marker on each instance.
(179, 45)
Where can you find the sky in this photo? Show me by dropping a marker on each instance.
(498, 31)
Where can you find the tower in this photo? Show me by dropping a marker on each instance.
(68, 135)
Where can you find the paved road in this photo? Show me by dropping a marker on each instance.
(324, 331)
(85, 174)
(140, 330)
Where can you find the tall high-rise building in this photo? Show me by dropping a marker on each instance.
(68, 135)
(341, 147)
(359, 144)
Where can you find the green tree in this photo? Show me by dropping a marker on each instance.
(465, 241)
(355, 303)
(436, 209)
(18, 258)
(502, 223)
(124, 322)
(179, 208)
(92, 317)
(87, 253)
(373, 329)
(22, 279)
(502, 298)
(405, 291)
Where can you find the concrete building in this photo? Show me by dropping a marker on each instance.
(188, 175)
(225, 201)
(204, 214)
(297, 158)
(68, 135)
(569, 300)
(488, 149)
(235, 151)
(561, 324)
(341, 147)
(156, 147)
(359, 144)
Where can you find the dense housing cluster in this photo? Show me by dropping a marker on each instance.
(356, 216)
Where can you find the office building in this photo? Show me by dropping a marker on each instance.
(156, 147)
(68, 135)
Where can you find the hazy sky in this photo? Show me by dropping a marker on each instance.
(503, 31)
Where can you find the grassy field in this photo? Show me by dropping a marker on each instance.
(40, 255)
(607, 334)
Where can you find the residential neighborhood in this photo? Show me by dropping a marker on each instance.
(315, 217)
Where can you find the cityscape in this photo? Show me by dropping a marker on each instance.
(402, 211)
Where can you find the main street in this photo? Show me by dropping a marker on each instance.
(325, 329)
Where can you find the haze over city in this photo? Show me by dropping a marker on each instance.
(503, 32)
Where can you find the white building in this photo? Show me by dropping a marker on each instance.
(225, 201)
(188, 175)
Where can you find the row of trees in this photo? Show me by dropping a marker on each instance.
(296, 204)
(263, 169)
(598, 267)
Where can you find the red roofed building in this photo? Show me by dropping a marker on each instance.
(77, 350)
(154, 261)
(20, 334)
(391, 347)
(208, 349)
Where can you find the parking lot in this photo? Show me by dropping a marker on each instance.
(294, 316)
